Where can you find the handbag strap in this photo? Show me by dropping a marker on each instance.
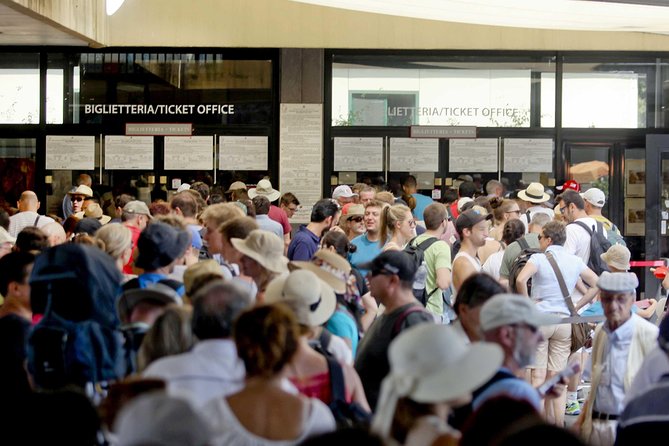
(563, 286)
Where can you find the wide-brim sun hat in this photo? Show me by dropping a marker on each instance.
(429, 363)
(534, 193)
(82, 189)
(330, 267)
(617, 256)
(264, 188)
(265, 248)
(313, 301)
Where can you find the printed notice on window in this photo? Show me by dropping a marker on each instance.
(189, 153)
(472, 155)
(358, 154)
(414, 154)
(70, 152)
(243, 153)
(129, 152)
(301, 155)
(528, 155)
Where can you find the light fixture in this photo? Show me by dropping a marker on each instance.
(113, 5)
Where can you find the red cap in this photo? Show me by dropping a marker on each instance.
(571, 184)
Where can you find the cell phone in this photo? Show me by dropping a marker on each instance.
(569, 371)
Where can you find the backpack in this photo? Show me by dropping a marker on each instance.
(77, 341)
(614, 236)
(346, 415)
(519, 263)
(417, 253)
(599, 244)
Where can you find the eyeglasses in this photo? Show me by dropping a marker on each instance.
(562, 209)
(412, 223)
(75, 198)
(292, 209)
(515, 211)
(356, 219)
(618, 299)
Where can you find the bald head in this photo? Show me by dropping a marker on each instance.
(28, 201)
(85, 179)
(55, 232)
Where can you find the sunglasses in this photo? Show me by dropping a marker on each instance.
(77, 199)
(356, 219)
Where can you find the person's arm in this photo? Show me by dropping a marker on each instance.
(354, 385)
(371, 309)
(523, 276)
(462, 269)
(588, 276)
(443, 278)
(286, 242)
(649, 311)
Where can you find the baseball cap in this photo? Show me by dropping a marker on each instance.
(160, 244)
(618, 282)
(509, 309)
(463, 201)
(594, 196)
(392, 262)
(469, 218)
(570, 184)
(137, 207)
(343, 191)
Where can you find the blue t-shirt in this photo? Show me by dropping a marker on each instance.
(421, 203)
(596, 309)
(512, 387)
(342, 324)
(366, 251)
(148, 278)
(304, 245)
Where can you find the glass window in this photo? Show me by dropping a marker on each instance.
(19, 88)
(608, 94)
(17, 168)
(402, 91)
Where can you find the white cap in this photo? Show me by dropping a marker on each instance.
(183, 187)
(594, 196)
(343, 191)
(509, 309)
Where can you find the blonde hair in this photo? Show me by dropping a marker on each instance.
(116, 239)
(221, 212)
(385, 197)
(390, 216)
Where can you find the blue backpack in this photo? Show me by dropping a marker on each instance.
(77, 341)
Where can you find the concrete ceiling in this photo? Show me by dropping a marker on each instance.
(22, 28)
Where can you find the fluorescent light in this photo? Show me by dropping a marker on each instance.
(113, 5)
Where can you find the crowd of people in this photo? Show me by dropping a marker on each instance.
(388, 318)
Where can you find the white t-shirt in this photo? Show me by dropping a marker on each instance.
(546, 290)
(493, 263)
(578, 239)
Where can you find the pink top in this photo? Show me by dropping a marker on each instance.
(277, 214)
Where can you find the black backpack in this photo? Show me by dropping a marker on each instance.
(599, 244)
(417, 253)
(77, 341)
(347, 415)
(519, 263)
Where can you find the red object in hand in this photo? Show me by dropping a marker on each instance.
(660, 272)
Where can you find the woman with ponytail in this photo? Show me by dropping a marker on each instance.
(397, 227)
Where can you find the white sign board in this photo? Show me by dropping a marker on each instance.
(243, 152)
(528, 155)
(358, 154)
(414, 155)
(129, 152)
(301, 155)
(189, 153)
(70, 152)
(472, 155)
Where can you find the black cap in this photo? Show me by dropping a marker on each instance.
(160, 244)
(469, 218)
(88, 225)
(392, 262)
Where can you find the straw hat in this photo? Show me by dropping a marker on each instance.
(312, 300)
(351, 210)
(429, 363)
(534, 193)
(82, 189)
(95, 211)
(265, 248)
(330, 267)
(265, 188)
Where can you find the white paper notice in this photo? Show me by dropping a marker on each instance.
(301, 155)
(358, 154)
(189, 153)
(70, 152)
(129, 152)
(243, 153)
(472, 155)
(414, 155)
(528, 155)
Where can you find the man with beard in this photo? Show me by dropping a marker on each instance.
(352, 220)
(324, 215)
(513, 322)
